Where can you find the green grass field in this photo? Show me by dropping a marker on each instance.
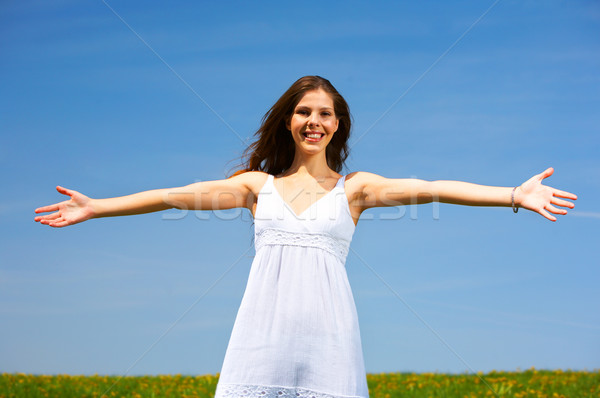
(527, 384)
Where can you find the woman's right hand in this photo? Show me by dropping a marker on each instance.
(75, 210)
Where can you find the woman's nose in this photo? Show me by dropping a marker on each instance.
(313, 120)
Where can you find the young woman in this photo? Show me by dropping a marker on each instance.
(296, 333)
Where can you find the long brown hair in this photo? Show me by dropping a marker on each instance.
(273, 151)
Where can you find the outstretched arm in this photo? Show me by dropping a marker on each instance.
(371, 190)
(233, 192)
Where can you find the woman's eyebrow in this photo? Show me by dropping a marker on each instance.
(324, 108)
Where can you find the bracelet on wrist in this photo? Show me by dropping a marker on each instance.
(512, 200)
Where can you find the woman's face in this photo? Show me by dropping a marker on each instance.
(313, 121)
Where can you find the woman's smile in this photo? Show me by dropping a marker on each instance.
(313, 136)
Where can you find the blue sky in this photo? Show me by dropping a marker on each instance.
(88, 105)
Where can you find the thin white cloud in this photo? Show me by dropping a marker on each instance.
(586, 214)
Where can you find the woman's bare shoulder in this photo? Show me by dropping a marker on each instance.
(362, 177)
(358, 180)
(254, 180)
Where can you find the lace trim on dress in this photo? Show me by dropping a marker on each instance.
(254, 391)
(273, 236)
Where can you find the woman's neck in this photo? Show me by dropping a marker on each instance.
(316, 166)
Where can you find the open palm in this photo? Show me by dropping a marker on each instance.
(543, 199)
(75, 210)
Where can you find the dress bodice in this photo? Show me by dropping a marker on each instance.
(326, 224)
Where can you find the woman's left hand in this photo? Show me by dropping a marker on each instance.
(535, 196)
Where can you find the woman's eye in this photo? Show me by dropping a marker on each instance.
(302, 112)
(326, 114)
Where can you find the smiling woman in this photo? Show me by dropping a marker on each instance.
(296, 333)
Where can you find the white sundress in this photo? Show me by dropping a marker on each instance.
(296, 333)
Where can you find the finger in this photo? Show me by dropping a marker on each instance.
(59, 224)
(546, 173)
(65, 191)
(48, 217)
(560, 202)
(547, 215)
(555, 210)
(564, 194)
(53, 221)
(44, 209)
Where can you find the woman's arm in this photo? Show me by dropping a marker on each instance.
(238, 191)
(370, 190)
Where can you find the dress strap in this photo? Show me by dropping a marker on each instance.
(340, 182)
(268, 186)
